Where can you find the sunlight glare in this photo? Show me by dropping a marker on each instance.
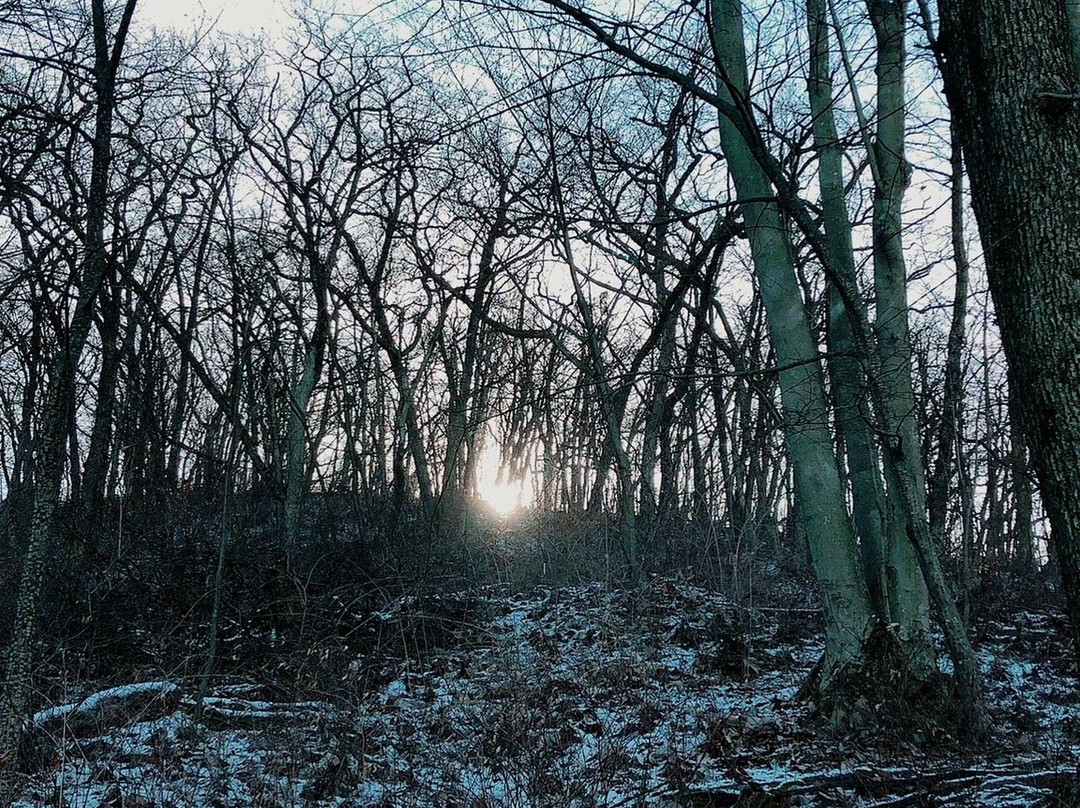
(501, 495)
(504, 498)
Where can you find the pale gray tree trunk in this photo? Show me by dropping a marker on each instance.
(849, 382)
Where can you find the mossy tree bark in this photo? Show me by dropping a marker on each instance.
(893, 577)
(908, 600)
(848, 381)
(818, 489)
(766, 197)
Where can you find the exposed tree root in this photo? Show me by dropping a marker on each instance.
(883, 695)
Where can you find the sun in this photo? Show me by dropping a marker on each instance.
(503, 496)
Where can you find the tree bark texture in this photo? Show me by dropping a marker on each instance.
(1011, 81)
(48, 472)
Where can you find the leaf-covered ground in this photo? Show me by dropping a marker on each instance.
(572, 697)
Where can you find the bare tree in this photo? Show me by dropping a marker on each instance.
(109, 36)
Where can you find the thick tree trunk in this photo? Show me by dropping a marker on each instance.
(1011, 79)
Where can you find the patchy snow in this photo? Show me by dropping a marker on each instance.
(574, 698)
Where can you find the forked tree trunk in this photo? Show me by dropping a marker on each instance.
(848, 613)
(849, 383)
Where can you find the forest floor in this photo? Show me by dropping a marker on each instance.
(580, 696)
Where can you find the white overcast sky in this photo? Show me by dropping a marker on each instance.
(247, 16)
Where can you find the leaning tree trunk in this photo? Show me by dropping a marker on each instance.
(949, 431)
(748, 157)
(1012, 80)
(848, 614)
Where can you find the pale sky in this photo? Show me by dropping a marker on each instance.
(246, 16)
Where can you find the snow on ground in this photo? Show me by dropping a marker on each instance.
(578, 698)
